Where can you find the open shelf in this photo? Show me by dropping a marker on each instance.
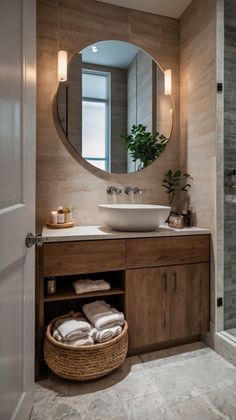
(65, 290)
(55, 308)
(69, 295)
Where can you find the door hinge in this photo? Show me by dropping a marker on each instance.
(219, 87)
(219, 302)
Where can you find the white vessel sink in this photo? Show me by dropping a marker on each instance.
(133, 217)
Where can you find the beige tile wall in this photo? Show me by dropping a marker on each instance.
(201, 128)
(62, 178)
(198, 104)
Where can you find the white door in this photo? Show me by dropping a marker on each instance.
(17, 212)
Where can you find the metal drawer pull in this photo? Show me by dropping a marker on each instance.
(165, 281)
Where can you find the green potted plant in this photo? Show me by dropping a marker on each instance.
(143, 146)
(177, 185)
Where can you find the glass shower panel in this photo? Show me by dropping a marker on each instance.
(230, 169)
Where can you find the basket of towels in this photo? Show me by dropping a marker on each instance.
(86, 346)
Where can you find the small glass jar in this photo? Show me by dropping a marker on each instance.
(176, 221)
(60, 215)
(68, 214)
(51, 286)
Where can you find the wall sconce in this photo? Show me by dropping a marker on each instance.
(168, 82)
(62, 66)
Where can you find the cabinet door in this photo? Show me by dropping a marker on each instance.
(147, 306)
(189, 299)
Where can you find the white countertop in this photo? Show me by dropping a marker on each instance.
(85, 233)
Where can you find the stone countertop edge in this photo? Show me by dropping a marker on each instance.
(90, 233)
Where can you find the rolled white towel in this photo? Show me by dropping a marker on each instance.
(88, 285)
(105, 334)
(71, 329)
(56, 335)
(85, 341)
(101, 315)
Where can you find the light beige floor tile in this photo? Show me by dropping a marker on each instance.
(149, 407)
(209, 374)
(100, 405)
(154, 359)
(173, 384)
(132, 364)
(187, 382)
(196, 409)
(224, 401)
(135, 385)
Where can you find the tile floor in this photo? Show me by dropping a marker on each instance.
(186, 382)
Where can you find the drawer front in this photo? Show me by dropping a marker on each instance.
(83, 257)
(154, 252)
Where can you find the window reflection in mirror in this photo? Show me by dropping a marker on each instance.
(96, 118)
(111, 86)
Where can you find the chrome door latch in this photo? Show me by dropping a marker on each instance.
(31, 240)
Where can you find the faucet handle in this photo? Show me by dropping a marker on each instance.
(137, 190)
(114, 190)
(128, 190)
(134, 190)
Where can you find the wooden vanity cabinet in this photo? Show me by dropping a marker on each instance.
(147, 306)
(161, 284)
(189, 296)
(166, 303)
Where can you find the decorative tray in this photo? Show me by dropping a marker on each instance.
(60, 225)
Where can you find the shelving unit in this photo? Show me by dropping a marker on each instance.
(70, 295)
(65, 290)
(65, 299)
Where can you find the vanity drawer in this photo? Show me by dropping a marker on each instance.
(154, 252)
(83, 257)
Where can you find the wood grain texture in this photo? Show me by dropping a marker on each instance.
(189, 300)
(147, 306)
(62, 178)
(160, 309)
(164, 345)
(65, 258)
(167, 251)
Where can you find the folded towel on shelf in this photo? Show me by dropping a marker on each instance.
(70, 329)
(105, 334)
(88, 285)
(85, 341)
(101, 315)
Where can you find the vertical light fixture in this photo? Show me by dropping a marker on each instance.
(62, 66)
(168, 82)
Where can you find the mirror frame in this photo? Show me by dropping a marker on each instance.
(106, 176)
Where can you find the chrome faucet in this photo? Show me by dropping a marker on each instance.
(113, 190)
(133, 190)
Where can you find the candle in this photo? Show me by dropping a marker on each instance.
(54, 217)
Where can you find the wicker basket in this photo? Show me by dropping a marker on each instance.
(87, 362)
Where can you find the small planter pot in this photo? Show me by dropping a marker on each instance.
(176, 221)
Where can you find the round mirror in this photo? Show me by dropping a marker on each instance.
(113, 108)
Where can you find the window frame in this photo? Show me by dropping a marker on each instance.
(107, 103)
